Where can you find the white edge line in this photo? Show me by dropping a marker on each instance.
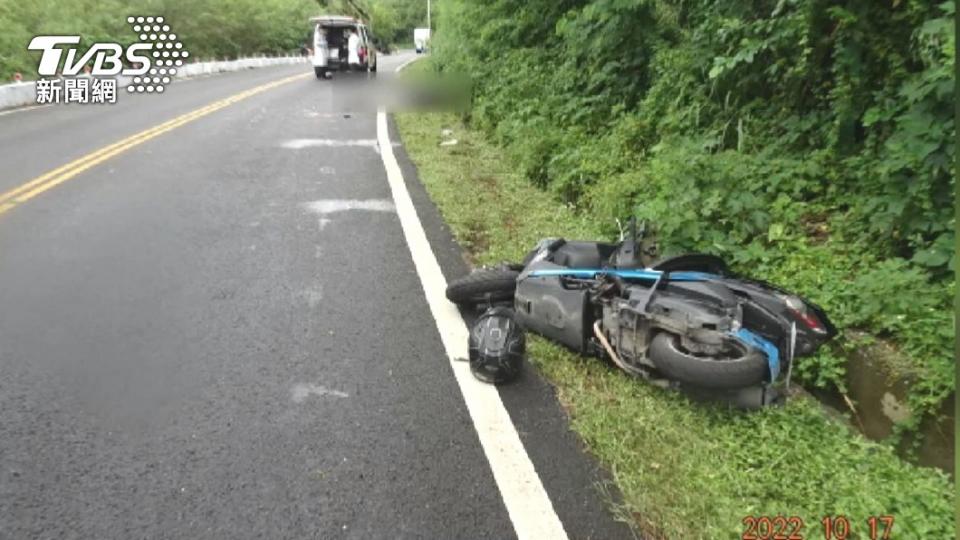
(24, 108)
(523, 494)
(407, 63)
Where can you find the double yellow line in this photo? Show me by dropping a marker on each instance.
(63, 173)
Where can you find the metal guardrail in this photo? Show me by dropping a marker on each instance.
(20, 94)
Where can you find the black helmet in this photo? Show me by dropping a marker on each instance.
(496, 346)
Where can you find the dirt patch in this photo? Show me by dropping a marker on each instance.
(489, 183)
(476, 238)
(817, 227)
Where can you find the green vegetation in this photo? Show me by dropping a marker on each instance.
(686, 470)
(209, 29)
(809, 142)
(392, 21)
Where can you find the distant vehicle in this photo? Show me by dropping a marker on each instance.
(330, 33)
(421, 38)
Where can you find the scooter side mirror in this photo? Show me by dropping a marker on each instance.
(649, 247)
(638, 245)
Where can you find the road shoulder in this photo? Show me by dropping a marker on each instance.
(582, 493)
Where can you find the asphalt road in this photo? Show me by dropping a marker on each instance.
(220, 333)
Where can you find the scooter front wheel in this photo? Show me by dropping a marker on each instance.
(493, 284)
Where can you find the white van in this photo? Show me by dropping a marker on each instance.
(330, 44)
(421, 37)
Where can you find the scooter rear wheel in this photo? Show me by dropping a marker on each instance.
(744, 367)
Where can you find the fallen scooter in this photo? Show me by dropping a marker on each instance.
(685, 322)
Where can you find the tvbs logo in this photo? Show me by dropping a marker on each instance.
(107, 58)
(151, 61)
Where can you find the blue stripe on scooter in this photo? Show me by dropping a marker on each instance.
(626, 274)
(768, 348)
(744, 335)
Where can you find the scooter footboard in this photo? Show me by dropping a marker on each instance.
(544, 306)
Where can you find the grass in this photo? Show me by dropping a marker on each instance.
(685, 470)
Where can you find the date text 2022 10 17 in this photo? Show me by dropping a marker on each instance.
(829, 528)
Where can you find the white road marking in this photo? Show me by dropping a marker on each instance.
(527, 502)
(331, 206)
(299, 144)
(314, 296)
(407, 63)
(301, 391)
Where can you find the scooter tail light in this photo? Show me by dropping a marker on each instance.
(800, 310)
(812, 322)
